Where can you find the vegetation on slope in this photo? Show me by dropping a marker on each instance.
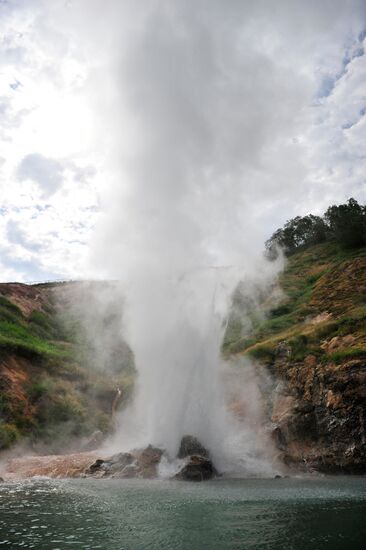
(52, 390)
(324, 298)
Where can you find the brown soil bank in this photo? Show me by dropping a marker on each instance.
(55, 466)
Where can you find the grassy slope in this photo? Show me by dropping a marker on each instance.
(49, 391)
(321, 279)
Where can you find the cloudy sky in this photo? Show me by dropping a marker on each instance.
(132, 129)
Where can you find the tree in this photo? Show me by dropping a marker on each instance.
(297, 233)
(347, 223)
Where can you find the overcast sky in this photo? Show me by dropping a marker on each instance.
(172, 129)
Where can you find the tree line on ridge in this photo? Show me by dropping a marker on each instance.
(343, 223)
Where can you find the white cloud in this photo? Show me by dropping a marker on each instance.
(46, 172)
(214, 122)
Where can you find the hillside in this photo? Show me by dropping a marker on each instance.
(313, 344)
(54, 394)
(62, 360)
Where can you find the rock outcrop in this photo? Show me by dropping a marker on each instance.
(198, 465)
(143, 463)
(138, 463)
(198, 468)
(319, 414)
(190, 445)
(312, 347)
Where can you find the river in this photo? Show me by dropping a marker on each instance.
(316, 513)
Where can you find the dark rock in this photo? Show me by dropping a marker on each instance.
(143, 463)
(190, 445)
(198, 465)
(198, 468)
(2, 480)
(96, 466)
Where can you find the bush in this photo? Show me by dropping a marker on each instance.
(8, 435)
(262, 352)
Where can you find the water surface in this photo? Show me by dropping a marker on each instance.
(315, 513)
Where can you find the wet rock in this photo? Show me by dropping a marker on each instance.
(198, 468)
(198, 465)
(144, 463)
(2, 480)
(121, 460)
(190, 445)
(148, 461)
(96, 466)
(138, 463)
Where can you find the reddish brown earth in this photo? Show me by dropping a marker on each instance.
(55, 466)
(27, 297)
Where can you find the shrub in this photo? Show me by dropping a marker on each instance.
(8, 435)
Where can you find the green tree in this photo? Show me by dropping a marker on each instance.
(347, 223)
(298, 233)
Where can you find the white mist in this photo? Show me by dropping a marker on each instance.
(175, 323)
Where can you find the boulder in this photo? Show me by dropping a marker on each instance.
(110, 466)
(198, 465)
(190, 445)
(198, 468)
(137, 463)
(148, 461)
(144, 463)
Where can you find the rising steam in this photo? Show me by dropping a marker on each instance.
(200, 113)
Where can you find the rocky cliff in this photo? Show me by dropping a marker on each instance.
(312, 343)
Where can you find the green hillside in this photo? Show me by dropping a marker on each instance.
(53, 392)
(324, 297)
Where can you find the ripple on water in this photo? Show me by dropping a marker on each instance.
(242, 514)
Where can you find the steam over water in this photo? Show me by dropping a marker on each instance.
(175, 325)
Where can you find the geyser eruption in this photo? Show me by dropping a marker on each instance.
(175, 325)
(189, 157)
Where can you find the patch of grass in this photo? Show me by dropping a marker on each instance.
(322, 278)
(347, 353)
(18, 338)
(263, 352)
(10, 306)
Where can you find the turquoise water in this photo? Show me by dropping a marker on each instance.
(316, 513)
